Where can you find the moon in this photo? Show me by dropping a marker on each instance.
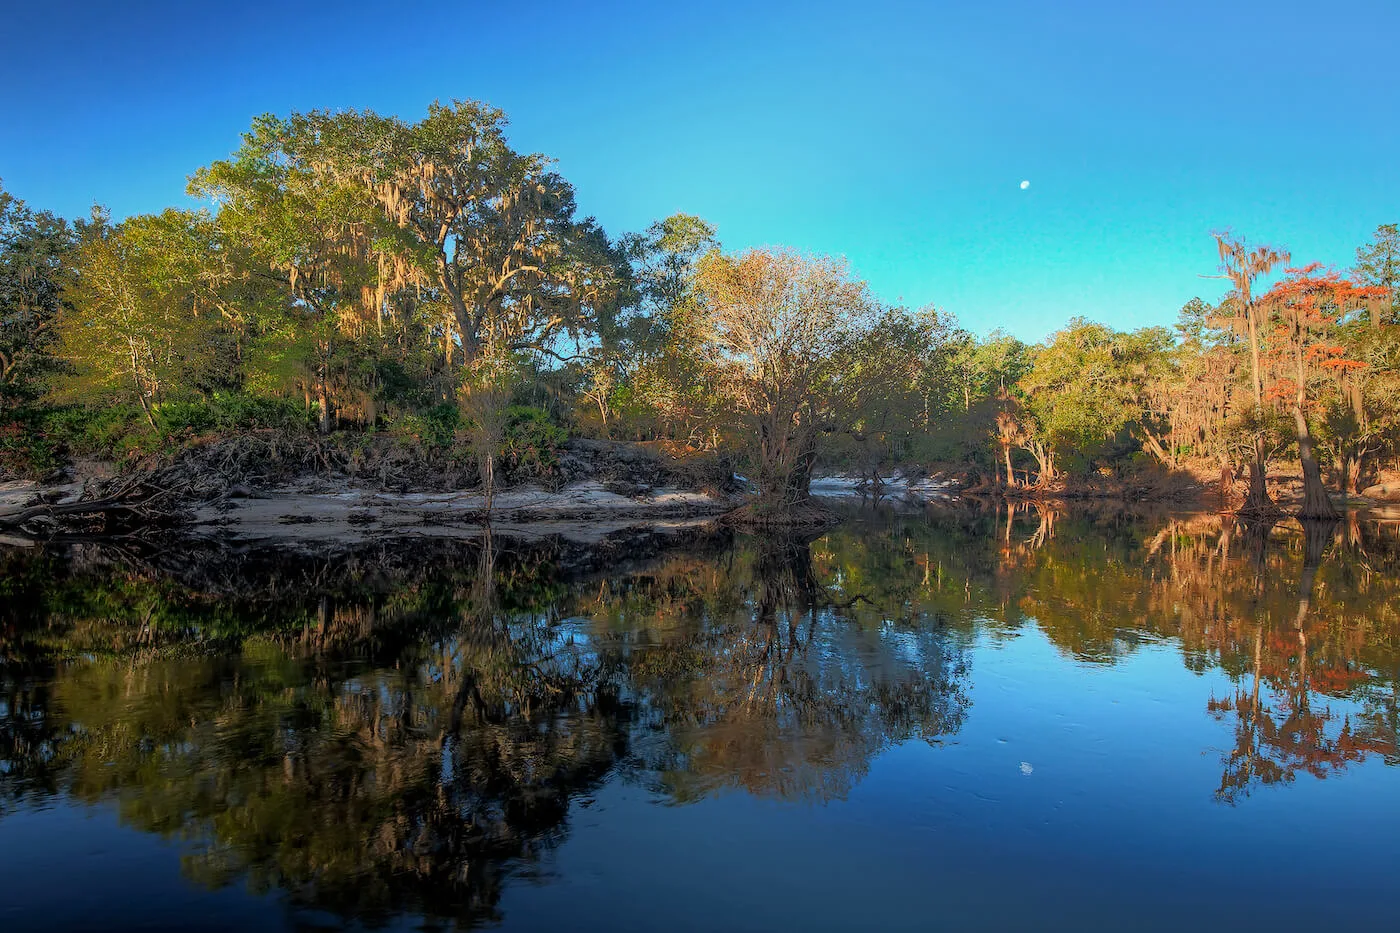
(1025, 185)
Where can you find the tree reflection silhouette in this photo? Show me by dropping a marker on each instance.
(398, 730)
(788, 693)
(1288, 728)
(373, 775)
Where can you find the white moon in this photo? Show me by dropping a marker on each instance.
(1025, 185)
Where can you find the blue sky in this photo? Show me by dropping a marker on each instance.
(894, 134)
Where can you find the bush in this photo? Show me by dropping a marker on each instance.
(229, 412)
(531, 443)
(40, 441)
(436, 427)
(184, 417)
(24, 451)
(114, 432)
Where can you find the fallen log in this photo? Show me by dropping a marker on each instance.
(136, 500)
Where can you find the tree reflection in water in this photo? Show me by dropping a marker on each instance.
(313, 746)
(1287, 727)
(779, 689)
(400, 729)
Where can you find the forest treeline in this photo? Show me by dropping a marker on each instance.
(366, 276)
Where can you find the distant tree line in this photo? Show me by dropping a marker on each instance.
(363, 273)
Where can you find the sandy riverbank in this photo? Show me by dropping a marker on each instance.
(579, 511)
(315, 510)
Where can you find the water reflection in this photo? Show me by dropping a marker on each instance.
(1284, 724)
(403, 729)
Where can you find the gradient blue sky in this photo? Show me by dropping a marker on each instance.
(895, 134)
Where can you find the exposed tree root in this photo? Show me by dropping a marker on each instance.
(123, 504)
(760, 513)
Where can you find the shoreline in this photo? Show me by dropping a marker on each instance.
(580, 511)
(318, 510)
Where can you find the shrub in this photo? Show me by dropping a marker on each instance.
(230, 412)
(531, 443)
(435, 427)
(24, 451)
(185, 417)
(114, 432)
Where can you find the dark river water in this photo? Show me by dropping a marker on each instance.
(935, 721)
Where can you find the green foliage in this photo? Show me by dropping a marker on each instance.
(888, 385)
(230, 413)
(25, 451)
(436, 427)
(366, 272)
(364, 212)
(136, 330)
(648, 372)
(530, 446)
(975, 369)
(1086, 387)
(112, 431)
(35, 268)
(1378, 264)
(961, 439)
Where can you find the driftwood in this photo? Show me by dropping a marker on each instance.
(134, 502)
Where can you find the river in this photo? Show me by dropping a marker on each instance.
(952, 719)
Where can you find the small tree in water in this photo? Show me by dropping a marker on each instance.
(775, 326)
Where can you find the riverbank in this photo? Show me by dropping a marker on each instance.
(272, 488)
(580, 511)
(272, 485)
(1196, 485)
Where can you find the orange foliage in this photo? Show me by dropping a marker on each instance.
(1306, 304)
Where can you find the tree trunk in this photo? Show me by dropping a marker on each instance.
(135, 373)
(324, 400)
(488, 480)
(146, 407)
(1155, 447)
(785, 468)
(379, 291)
(1258, 379)
(1045, 463)
(1354, 454)
(466, 325)
(1257, 501)
(1316, 503)
(1351, 474)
